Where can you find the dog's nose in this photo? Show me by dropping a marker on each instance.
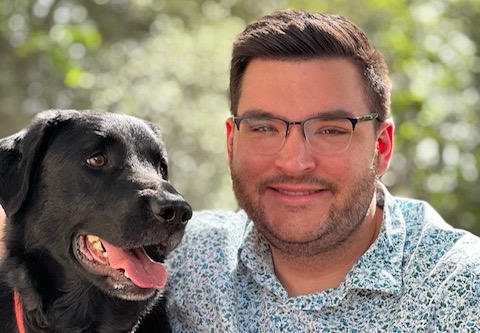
(177, 210)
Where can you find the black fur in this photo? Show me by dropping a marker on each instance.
(71, 174)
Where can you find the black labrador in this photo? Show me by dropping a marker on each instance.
(90, 218)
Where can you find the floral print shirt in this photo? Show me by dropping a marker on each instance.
(420, 275)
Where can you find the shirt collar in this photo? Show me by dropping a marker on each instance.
(380, 268)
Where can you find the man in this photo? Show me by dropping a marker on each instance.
(320, 244)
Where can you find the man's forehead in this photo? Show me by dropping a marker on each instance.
(301, 89)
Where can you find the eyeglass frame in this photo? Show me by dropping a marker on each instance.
(354, 120)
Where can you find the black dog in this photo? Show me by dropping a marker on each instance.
(90, 216)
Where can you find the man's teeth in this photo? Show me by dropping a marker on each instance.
(296, 193)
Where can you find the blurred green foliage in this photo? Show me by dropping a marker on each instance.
(168, 61)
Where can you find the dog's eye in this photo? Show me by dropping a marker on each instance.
(164, 170)
(97, 160)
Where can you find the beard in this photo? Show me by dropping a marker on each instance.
(344, 217)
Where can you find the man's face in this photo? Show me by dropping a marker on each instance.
(303, 201)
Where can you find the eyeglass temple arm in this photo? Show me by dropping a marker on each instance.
(360, 119)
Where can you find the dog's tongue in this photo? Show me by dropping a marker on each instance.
(144, 272)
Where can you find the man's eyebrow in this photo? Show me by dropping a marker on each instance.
(257, 113)
(329, 114)
(335, 113)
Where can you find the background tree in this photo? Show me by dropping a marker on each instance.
(168, 61)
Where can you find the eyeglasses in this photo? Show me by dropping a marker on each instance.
(267, 135)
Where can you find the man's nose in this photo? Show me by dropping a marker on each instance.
(296, 156)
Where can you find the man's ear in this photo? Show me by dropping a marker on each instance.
(21, 157)
(384, 146)
(230, 128)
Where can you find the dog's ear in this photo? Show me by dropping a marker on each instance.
(21, 157)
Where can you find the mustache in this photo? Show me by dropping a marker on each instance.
(304, 179)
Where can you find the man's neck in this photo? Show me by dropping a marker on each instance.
(302, 276)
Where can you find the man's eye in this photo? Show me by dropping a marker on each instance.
(97, 160)
(331, 131)
(263, 128)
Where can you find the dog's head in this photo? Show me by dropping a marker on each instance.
(87, 195)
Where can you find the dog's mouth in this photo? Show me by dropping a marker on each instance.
(132, 273)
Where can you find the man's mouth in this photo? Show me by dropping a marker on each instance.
(298, 193)
(298, 186)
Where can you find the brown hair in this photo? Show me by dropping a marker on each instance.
(301, 35)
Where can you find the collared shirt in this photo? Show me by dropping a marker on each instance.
(420, 275)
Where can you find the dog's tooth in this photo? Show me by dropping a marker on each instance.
(92, 238)
(126, 275)
(98, 246)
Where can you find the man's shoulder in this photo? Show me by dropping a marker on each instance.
(452, 286)
(430, 241)
(440, 268)
(465, 253)
(422, 220)
(434, 246)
